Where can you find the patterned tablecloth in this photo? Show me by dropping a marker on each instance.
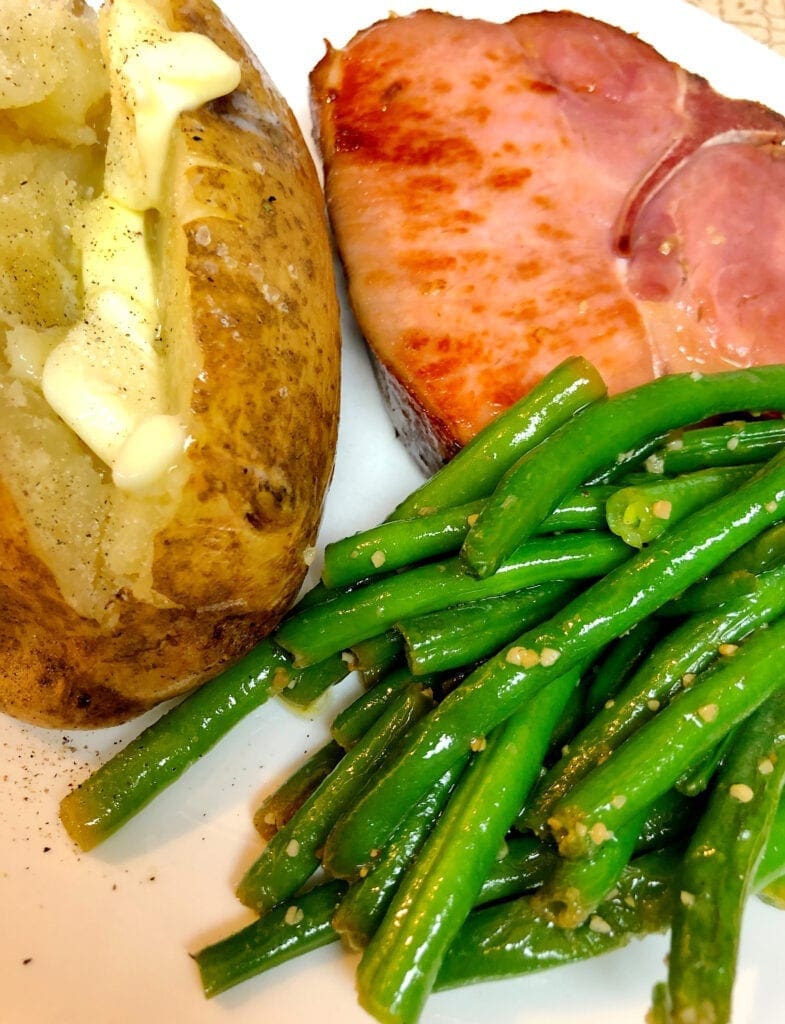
(762, 19)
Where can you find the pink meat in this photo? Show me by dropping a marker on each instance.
(506, 195)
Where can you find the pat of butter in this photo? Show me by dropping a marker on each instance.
(156, 74)
(149, 451)
(107, 379)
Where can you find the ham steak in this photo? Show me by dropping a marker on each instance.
(504, 195)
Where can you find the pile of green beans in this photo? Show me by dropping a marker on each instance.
(570, 655)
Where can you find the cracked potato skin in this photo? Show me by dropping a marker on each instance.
(247, 257)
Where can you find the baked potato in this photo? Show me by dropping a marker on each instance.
(160, 491)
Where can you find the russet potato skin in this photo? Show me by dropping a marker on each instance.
(247, 256)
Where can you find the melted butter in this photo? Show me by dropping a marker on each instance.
(156, 75)
(107, 379)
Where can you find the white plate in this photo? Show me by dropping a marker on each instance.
(104, 938)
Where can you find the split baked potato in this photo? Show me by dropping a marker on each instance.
(160, 492)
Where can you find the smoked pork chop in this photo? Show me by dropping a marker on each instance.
(504, 195)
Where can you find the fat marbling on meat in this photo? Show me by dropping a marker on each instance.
(505, 195)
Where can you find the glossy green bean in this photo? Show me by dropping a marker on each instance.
(318, 633)
(640, 512)
(627, 463)
(401, 961)
(719, 869)
(698, 778)
(398, 543)
(286, 932)
(159, 755)
(474, 471)
(292, 855)
(687, 650)
(511, 939)
(677, 737)
(668, 821)
(277, 808)
(567, 725)
(312, 920)
(577, 887)
(619, 662)
(350, 725)
(461, 635)
(714, 592)
(539, 480)
(732, 444)
(375, 657)
(522, 865)
(501, 940)
(764, 552)
(303, 687)
(362, 909)
(577, 633)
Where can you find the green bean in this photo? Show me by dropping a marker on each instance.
(292, 855)
(719, 869)
(619, 662)
(673, 664)
(303, 687)
(284, 933)
(577, 633)
(314, 920)
(640, 512)
(350, 725)
(733, 444)
(375, 657)
(698, 778)
(501, 940)
(772, 863)
(577, 887)
(764, 552)
(522, 865)
(474, 471)
(461, 635)
(122, 786)
(567, 725)
(659, 1012)
(584, 509)
(313, 596)
(319, 632)
(401, 961)
(510, 939)
(538, 481)
(737, 576)
(668, 821)
(774, 893)
(398, 543)
(277, 808)
(714, 592)
(654, 757)
(627, 464)
(363, 907)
